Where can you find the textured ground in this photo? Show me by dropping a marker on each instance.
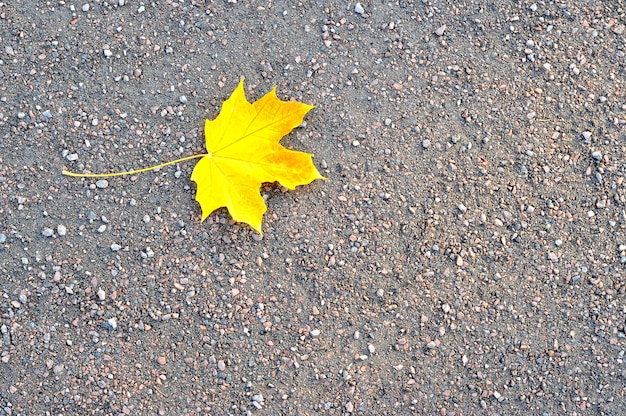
(465, 257)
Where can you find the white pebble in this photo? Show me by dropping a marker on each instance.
(358, 9)
(315, 333)
(440, 30)
(47, 232)
(371, 348)
(115, 247)
(102, 228)
(462, 208)
(102, 183)
(108, 53)
(101, 295)
(587, 135)
(85, 7)
(426, 144)
(112, 324)
(61, 230)
(596, 155)
(182, 99)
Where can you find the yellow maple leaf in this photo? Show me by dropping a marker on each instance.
(243, 152)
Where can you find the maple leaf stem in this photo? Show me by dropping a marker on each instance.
(130, 172)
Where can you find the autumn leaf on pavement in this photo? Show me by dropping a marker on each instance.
(243, 152)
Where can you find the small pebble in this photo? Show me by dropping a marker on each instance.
(61, 230)
(3, 238)
(115, 247)
(47, 232)
(47, 114)
(462, 208)
(441, 30)
(102, 183)
(102, 228)
(101, 295)
(587, 135)
(371, 348)
(112, 324)
(257, 398)
(183, 99)
(358, 9)
(85, 7)
(426, 143)
(315, 333)
(558, 243)
(221, 366)
(596, 155)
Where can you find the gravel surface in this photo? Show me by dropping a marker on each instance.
(466, 256)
